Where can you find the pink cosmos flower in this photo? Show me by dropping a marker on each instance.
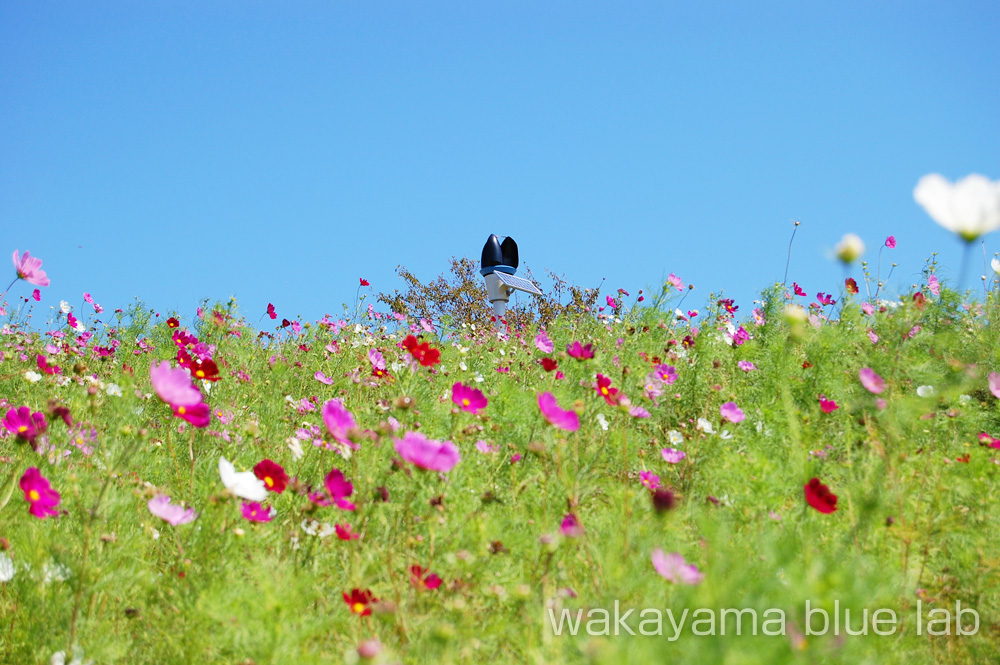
(467, 398)
(827, 405)
(746, 365)
(867, 308)
(543, 343)
(571, 527)
(198, 415)
(890, 242)
(564, 420)
(673, 568)
(995, 384)
(675, 281)
(731, 412)
(338, 488)
(934, 285)
(339, 422)
(174, 385)
(29, 269)
(873, 337)
(638, 412)
(649, 479)
(428, 454)
(486, 448)
(40, 496)
(173, 514)
(580, 352)
(672, 455)
(254, 512)
(323, 378)
(376, 359)
(872, 382)
(24, 424)
(666, 373)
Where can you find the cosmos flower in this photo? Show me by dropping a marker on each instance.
(422, 351)
(890, 242)
(820, 497)
(968, 208)
(173, 386)
(543, 343)
(872, 382)
(850, 248)
(571, 527)
(424, 579)
(360, 601)
(427, 454)
(344, 532)
(468, 399)
(604, 389)
(995, 384)
(339, 422)
(673, 456)
(29, 269)
(274, 477)
(171, 513)
(24, 424)
(41, 498)
(731, 412)
(649, 479)
(548, 364)
(198, 415)
(564, 420)
(254, 512)
(746, 365)
(673, 568)
(827, 405)
(675, 281)
(580, 352)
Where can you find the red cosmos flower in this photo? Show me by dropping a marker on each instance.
(424, 579)
(364, 282)
(548, 364)
(918, 300)
(270, 311)
(285, 323)
(851, 285)
(360, 601)
(688, 341)
(205, 369)
(274, 477)
(172, 322)
(604, 389)
(422, 351)
(820, 497)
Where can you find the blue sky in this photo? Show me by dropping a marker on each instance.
(279, 151)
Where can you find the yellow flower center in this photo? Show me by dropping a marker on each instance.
(181, 410)
(268, 481)
(22, 429)
(465, 402)
(604, 390)
(33, 495)
(79, 441)
(200, 374)
(358, 608)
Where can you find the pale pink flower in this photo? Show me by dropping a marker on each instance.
(557, 417)
(675, 281)
(731, 412)
(174, 385)
(171, 513)
(486, 448)
(872, 336)
(543, 343)
(29, 269)
(934, 285)
(376, 359)
(672, 455)
(746, 365)
(867, 308)
(323, 378)
(995, 384)
(638, 412)
(872, 382)
(673, 568)
(428, 454)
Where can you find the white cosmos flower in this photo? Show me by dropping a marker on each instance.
(243, 484)
(64, 307)
(705, 426)
(925, 391)
(602, 421)
(675, 437)
(6, 568)
(33, 377)
(969, 207)
(996, 265)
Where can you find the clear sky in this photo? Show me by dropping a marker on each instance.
(280, 151)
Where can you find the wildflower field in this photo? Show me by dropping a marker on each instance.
(383, 486)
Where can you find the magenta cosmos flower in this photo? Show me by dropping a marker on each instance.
(254, 512)
(579, 351)
(40, 496)
(731, 412)
(872, 382)
(339, 422)
(564, 420)
(29, 269)
(174, 386)
(428, 454)
(673, 568)
(571, 527)
(24, 424)
(468, 399)
(198, 415)
(827, 405)
(171, 513)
